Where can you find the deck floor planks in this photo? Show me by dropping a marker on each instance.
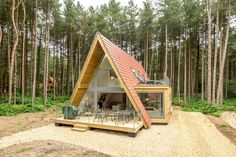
(129, 127)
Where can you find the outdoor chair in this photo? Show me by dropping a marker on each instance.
(125, 116)
(70, 112)
(101, 116)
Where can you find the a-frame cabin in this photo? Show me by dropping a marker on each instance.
(112, 80)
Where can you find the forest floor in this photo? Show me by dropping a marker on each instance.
(187, 133)
(25, 121)
(226, 125)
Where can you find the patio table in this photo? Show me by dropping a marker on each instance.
(112, 114)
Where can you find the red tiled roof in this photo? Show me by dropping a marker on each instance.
(124, 64)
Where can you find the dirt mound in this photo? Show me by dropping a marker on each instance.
(48, 149)
(224, 128)
(230, 118)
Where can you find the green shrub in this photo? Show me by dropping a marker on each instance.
(9, 110)
(18, 108)
(228, 105)
(197, 105)
(5, 110)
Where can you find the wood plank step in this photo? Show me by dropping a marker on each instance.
(79, 129)
(81, 126)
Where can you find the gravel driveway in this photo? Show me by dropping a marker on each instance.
(187, 134)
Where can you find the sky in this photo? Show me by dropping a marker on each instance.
(95, 3)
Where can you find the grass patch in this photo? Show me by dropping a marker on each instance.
(223, 126)
(197, 105)
(24, 149)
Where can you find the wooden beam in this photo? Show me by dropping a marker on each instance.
(141, 87)
(91, 64)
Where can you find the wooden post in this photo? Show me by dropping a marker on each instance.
(95, 101)
(95, 93)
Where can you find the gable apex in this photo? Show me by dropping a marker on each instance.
(121, 63)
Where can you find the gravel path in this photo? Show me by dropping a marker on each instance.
(188, 134)
(230, 118)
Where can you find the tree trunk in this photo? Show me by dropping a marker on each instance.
(47, 31)
(71, 62)
(215, 55)
(38, 79)
(146, 55)
(13, 52)
(54, 71)
(185, 68)
(1, 36)
(8, 59)
(227, 77)
(15, 64)
(221, 71)
(23, 55)
(209, 53)
(203, 72)
(31, 67)
(178, 84)
(57, 69)
(173, 85)
(34, 49)
(62, 69)
(171, 63)
(166, 51)
(79, 56)
(68, 63)
(77, 63)
(196, 78)
(220, 59)
(151, 64)
(26, 60)
(15, 81)
(1, 54)
(189, 68)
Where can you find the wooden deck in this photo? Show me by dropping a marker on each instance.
(130, 127)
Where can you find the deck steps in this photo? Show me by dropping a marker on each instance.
(80, 127)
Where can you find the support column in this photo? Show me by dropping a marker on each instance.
(95, 101)
(95, 93)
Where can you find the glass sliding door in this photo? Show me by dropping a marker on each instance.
(153, 103)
